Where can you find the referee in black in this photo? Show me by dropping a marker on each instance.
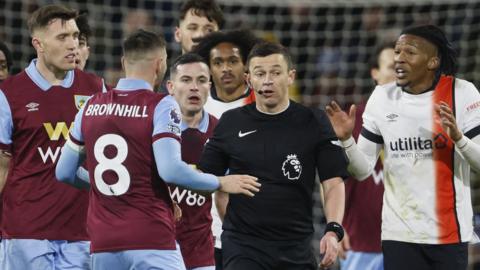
(283, 144)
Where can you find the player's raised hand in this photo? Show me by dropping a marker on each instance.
(239, 184)
(447, 120)
(342, 122)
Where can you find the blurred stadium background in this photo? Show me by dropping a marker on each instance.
(331, 41)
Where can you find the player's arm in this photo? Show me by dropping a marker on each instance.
(6, 129)
(362, 156)
(69, 170)
(221, 202)
(334, 206)
(4, 164)
(171, 168)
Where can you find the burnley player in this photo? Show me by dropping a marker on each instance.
(131, 139)
(43, 220)
(189, 84)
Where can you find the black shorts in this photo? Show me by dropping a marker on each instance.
(241, 252)
(218, 259)
(402, 255)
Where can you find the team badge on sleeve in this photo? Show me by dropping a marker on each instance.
(80, 101)
(175, 116)
(292, 168)
(175, 119)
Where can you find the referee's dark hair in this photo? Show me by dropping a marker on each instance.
(265, 48)
(436, 36)
(243, 39)
(186, 58)
(207, 8)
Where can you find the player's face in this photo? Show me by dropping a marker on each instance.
(83, 52)
(271, 76)
(190, 87)
(193, 27)
(57, 44)
(385, 72)
(3, 66)
(415, 63)
(228, 70)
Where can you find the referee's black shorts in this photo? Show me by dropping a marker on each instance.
(244, 252)
(402, 255)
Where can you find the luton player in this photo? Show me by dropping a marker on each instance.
(43, 220)
(428, 124)
(189, 84)
(130, 137)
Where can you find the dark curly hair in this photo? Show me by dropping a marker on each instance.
(243, 39)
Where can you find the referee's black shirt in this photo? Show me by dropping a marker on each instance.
(283, 151)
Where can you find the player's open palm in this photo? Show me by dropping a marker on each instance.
(239, 184)
(342, 122)
(447, 121)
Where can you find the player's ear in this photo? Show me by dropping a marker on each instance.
(170, 87)
(433, 63)
(37, 44)
(178, 35)
(123, 63)
(374, 73)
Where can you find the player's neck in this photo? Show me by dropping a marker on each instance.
(50, 73)
(141, 76)
(229, 96)
(192, 119)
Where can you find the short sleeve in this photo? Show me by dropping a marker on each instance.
(76, 135)
(166, 119)
(370, 128)
(468, 107)
(331, 158)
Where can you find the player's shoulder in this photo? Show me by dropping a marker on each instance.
(464, 86)
(238, 112)
(86, 75)
(385, 90)
(12, 83)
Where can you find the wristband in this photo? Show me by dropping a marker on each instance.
(336, 228)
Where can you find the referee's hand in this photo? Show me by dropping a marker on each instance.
(239, 184)
(329, 249)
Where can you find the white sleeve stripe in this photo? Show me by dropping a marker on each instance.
(74, 146)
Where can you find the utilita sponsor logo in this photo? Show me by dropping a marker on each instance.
(418, 143)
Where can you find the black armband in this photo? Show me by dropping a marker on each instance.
(336, 228)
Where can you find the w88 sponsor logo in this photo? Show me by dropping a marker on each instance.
(191, 198)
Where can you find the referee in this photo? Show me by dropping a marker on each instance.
(283, 144)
